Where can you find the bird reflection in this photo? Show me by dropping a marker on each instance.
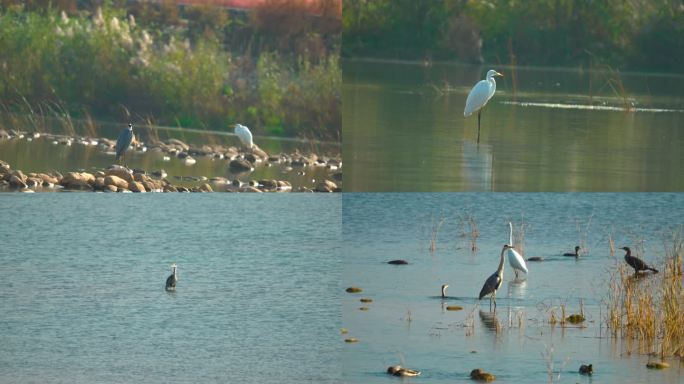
(477, 165)
(490, 321)
(517, 288)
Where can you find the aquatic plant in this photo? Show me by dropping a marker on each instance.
(648, 309)
(436, 225)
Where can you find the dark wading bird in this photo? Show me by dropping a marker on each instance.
(635, 262)
(494, 281)
(123, 142)
(172, 280)
(479, 96)
(576, 254)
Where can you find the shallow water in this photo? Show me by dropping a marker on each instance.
(83, 297)
(407, 322)
(41, 155)
(557, 130)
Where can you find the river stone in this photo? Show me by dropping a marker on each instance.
(110, 188)
(117, 181)
(206, 188)
(136, 187)
(17, 182)
(240, 165)
(267, 184)
(121, 173)
(19, 174)
(250, 189)
(99, 184)
(78, 180)
(326, 186)
(176, 142)
(170, 188)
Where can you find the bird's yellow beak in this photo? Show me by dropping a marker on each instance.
(499, 74)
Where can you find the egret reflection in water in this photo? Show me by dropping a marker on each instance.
(477, 164)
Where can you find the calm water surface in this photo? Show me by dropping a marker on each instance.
(556, 130)
(83, 297)
(447, 345)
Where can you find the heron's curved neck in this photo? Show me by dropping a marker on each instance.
(500, 270)
(629, 252)
(511, 233)
(444, 290)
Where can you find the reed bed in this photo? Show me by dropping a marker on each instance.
(648, 308)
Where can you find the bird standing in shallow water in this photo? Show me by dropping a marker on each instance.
(123, 142)
(494, 281)
(172, 280)
(479, 96)
(444, 288)
(514, 258)
(576, 254)
(635, 262)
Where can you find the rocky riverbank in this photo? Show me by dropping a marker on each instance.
(239, 164)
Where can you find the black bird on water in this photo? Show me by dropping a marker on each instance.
(172, 280)
(576, 254)
(635, 262)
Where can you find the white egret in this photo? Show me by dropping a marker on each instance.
(172, 280)
(479, 96)
(493, 282)
(635, 262)
(244, 135)
(514, 258)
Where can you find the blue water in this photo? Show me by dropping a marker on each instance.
(83, 298)
(407, 322)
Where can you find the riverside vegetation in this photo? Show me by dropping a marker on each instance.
(199, 67)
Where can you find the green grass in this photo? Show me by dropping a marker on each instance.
(105, 65)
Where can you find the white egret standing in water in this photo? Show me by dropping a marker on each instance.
(514, 258)
(479, 96)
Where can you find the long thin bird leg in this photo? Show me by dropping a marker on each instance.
(478, 126)
(494, 296)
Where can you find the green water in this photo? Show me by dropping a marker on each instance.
(558, 130)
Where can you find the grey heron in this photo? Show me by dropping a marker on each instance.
(172, 280)
(444, 288)
(635, 262)
(576, 254)
(124, 141)
(479, 96)
(494, 281)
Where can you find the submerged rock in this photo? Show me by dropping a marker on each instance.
(398, 370)
(480, 375)
(240, 165)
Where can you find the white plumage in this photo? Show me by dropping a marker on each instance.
(481, 93)
(514, 258)
(244, 135)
